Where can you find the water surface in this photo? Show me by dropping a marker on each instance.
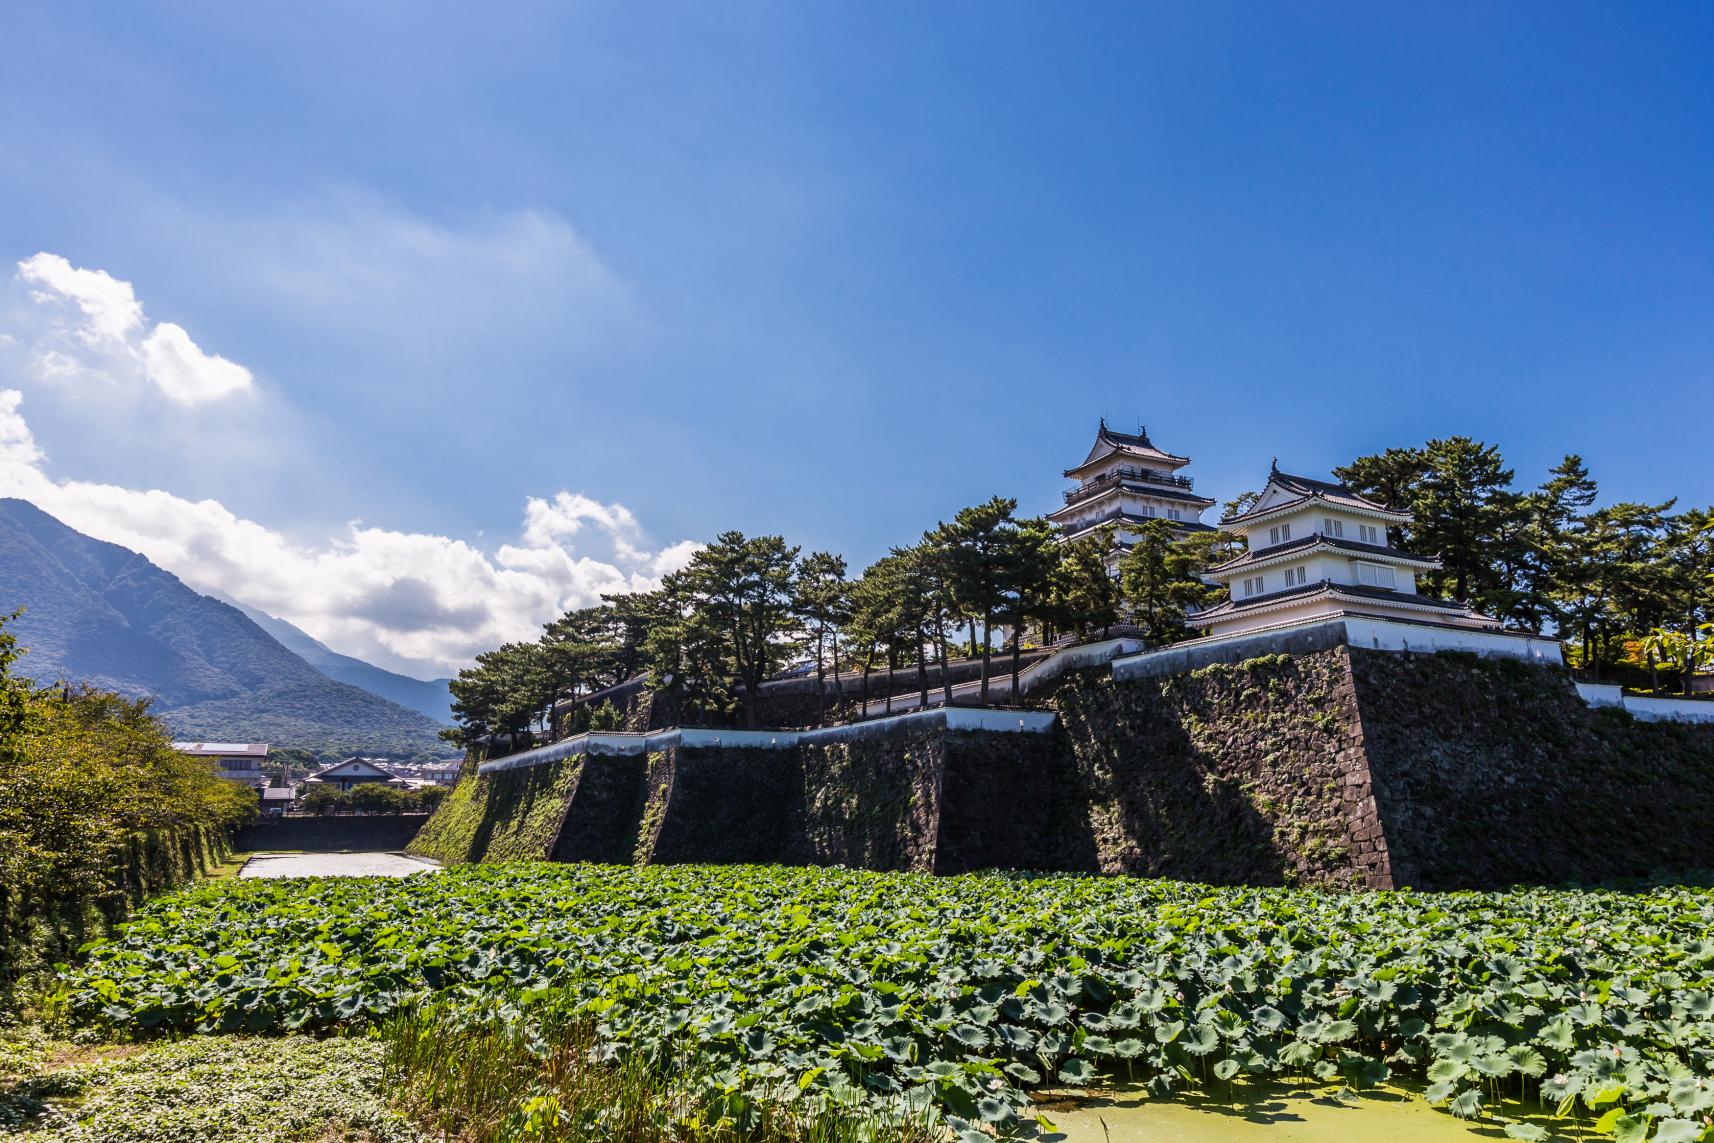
(1273, 1114)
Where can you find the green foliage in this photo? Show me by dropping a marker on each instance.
(1599, 577)
(1159, 575)
(483, 1076)
(1086, 594)
(218, 1090)
(370, 798)
(510, 815)
(903, 989)
(83, 776)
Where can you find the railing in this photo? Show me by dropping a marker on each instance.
(1123, 475)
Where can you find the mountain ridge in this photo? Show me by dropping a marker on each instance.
(99, 613)
(426, 696)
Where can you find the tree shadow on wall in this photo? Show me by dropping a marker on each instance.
(1157, 803)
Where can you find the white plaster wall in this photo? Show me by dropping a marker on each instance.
(1365, 633)
(1669, 709)
(622, 743)
(1381, 634)
(1601, 694)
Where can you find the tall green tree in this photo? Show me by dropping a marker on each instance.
(1556, 516)
(1159, 576)
(742, 590)
(1086, 593)
(1032, 566)
(982, 544)
(823, 605)
(1467, 516)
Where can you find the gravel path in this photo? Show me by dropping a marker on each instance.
(335, 865)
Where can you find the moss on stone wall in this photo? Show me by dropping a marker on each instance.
(1230, 774)
(1493, 772)
(871, 803)
(603, 819)
(723, 806)
(514, 814)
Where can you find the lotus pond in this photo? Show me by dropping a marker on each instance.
(907, 995)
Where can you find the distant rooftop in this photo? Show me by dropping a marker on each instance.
(223, 749)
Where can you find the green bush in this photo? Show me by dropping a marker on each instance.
(97, 810)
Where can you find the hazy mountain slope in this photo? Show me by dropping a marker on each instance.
(100, 613)
(430, 697)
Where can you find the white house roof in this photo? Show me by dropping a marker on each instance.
(223, 749)
(352, 768)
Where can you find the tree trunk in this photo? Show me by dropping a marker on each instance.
(868, 665)
(1017, 651)
(946, 669)
(892, 665)
(922, 673)
(987, 654)
(820, 681)
(838, 683)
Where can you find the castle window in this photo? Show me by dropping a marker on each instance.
(1253, 585)
(1332, 527)
(1368, 534)
(1279, 534)
(1374, 575)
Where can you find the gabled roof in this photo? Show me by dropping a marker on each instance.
(351, 766)
(1137, 444)
(1355, 592)
(1316, 540)
(1296, 490)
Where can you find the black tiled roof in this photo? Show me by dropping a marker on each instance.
(1255, 555)
(1132, 518)
(1307, 487)
(1137, 440)
(1353, 590)
(1145, 489)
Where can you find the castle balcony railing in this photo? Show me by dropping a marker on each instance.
(1126, 475)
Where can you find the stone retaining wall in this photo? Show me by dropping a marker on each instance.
(329, 834)
(1329, 766)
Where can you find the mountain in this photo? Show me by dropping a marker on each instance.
(102, 614)
(431, 697)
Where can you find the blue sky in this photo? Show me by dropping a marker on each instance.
(830, 271)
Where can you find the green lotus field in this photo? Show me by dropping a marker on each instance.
(951, 998)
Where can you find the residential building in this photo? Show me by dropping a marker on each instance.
(354, 771)
(244, 762)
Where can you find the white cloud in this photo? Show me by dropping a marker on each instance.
(548, 520)
(18, 451)
(108, 342)
(110, 307)
(411, 601)
(184, 372)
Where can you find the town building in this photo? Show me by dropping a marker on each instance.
(245, 762)
(418, 774)
(1126, 481)
(276, 800)
(1318, 550)
(354, 771)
